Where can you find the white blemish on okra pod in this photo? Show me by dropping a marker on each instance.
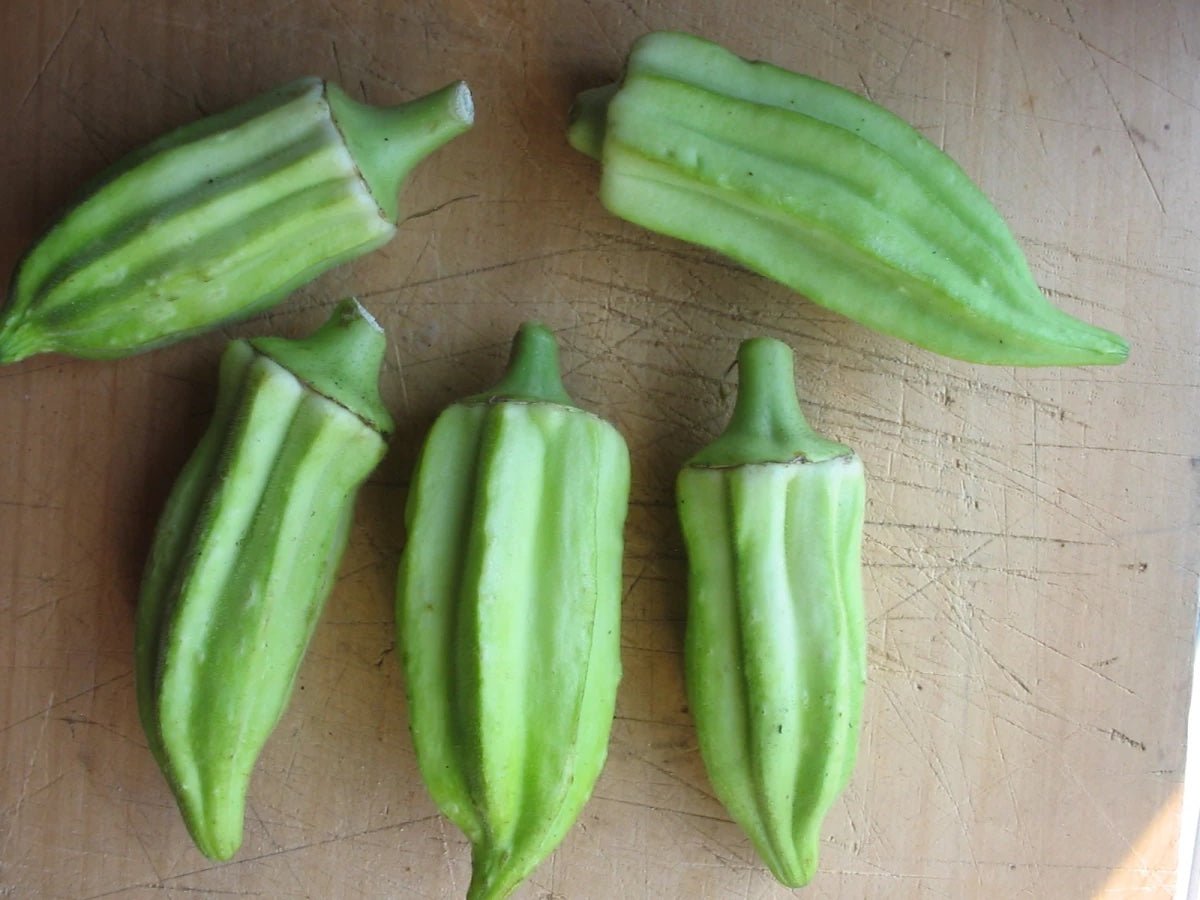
(245, 554)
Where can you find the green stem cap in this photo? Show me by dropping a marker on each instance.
(387, 143)
(340, 360)
(533, 374)
(767, 425)
(588, 119)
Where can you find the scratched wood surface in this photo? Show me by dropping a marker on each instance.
(1030, 553)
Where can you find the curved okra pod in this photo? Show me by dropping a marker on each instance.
(222, 218)
(245, 554)
(508, 611)
(826, 192)
(775, 649)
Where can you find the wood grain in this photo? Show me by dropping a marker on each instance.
(1031, 556)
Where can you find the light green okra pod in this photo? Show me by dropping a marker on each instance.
(508, 611)
(775, 651)
(245, 554)
(826, 192)
(222, 218)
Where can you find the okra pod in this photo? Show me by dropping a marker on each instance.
(826, 192)
(775, 648)
(222, 218)
(508, 611)
(245, 555)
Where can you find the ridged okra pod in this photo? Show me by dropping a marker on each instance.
(826, 192)
(222, 218)
(245, 555)
(775, 652)
(508, 611)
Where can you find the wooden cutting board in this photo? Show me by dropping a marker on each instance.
(1031, 544)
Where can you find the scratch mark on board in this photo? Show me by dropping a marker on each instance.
(50, 57)
(55, 704)
(1125, 739)
(168, 883)
(1130, 131)
(934, 763)
(26, 778)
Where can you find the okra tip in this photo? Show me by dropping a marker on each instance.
(387, 143)
(767, 424)
(17, 340)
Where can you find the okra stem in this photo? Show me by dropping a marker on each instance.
(587, 119)
(388, 142)
(767, 424)
(533, 373)
(340, 360)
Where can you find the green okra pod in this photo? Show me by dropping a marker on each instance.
(222, 218)
(826, 192)
(245, 554)
(508, 611)
(775, 649)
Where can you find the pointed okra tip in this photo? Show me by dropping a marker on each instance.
(215, 843)
(340, 360)
(767, 424)
(387, 143)
(18, 340)
(533, 374)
